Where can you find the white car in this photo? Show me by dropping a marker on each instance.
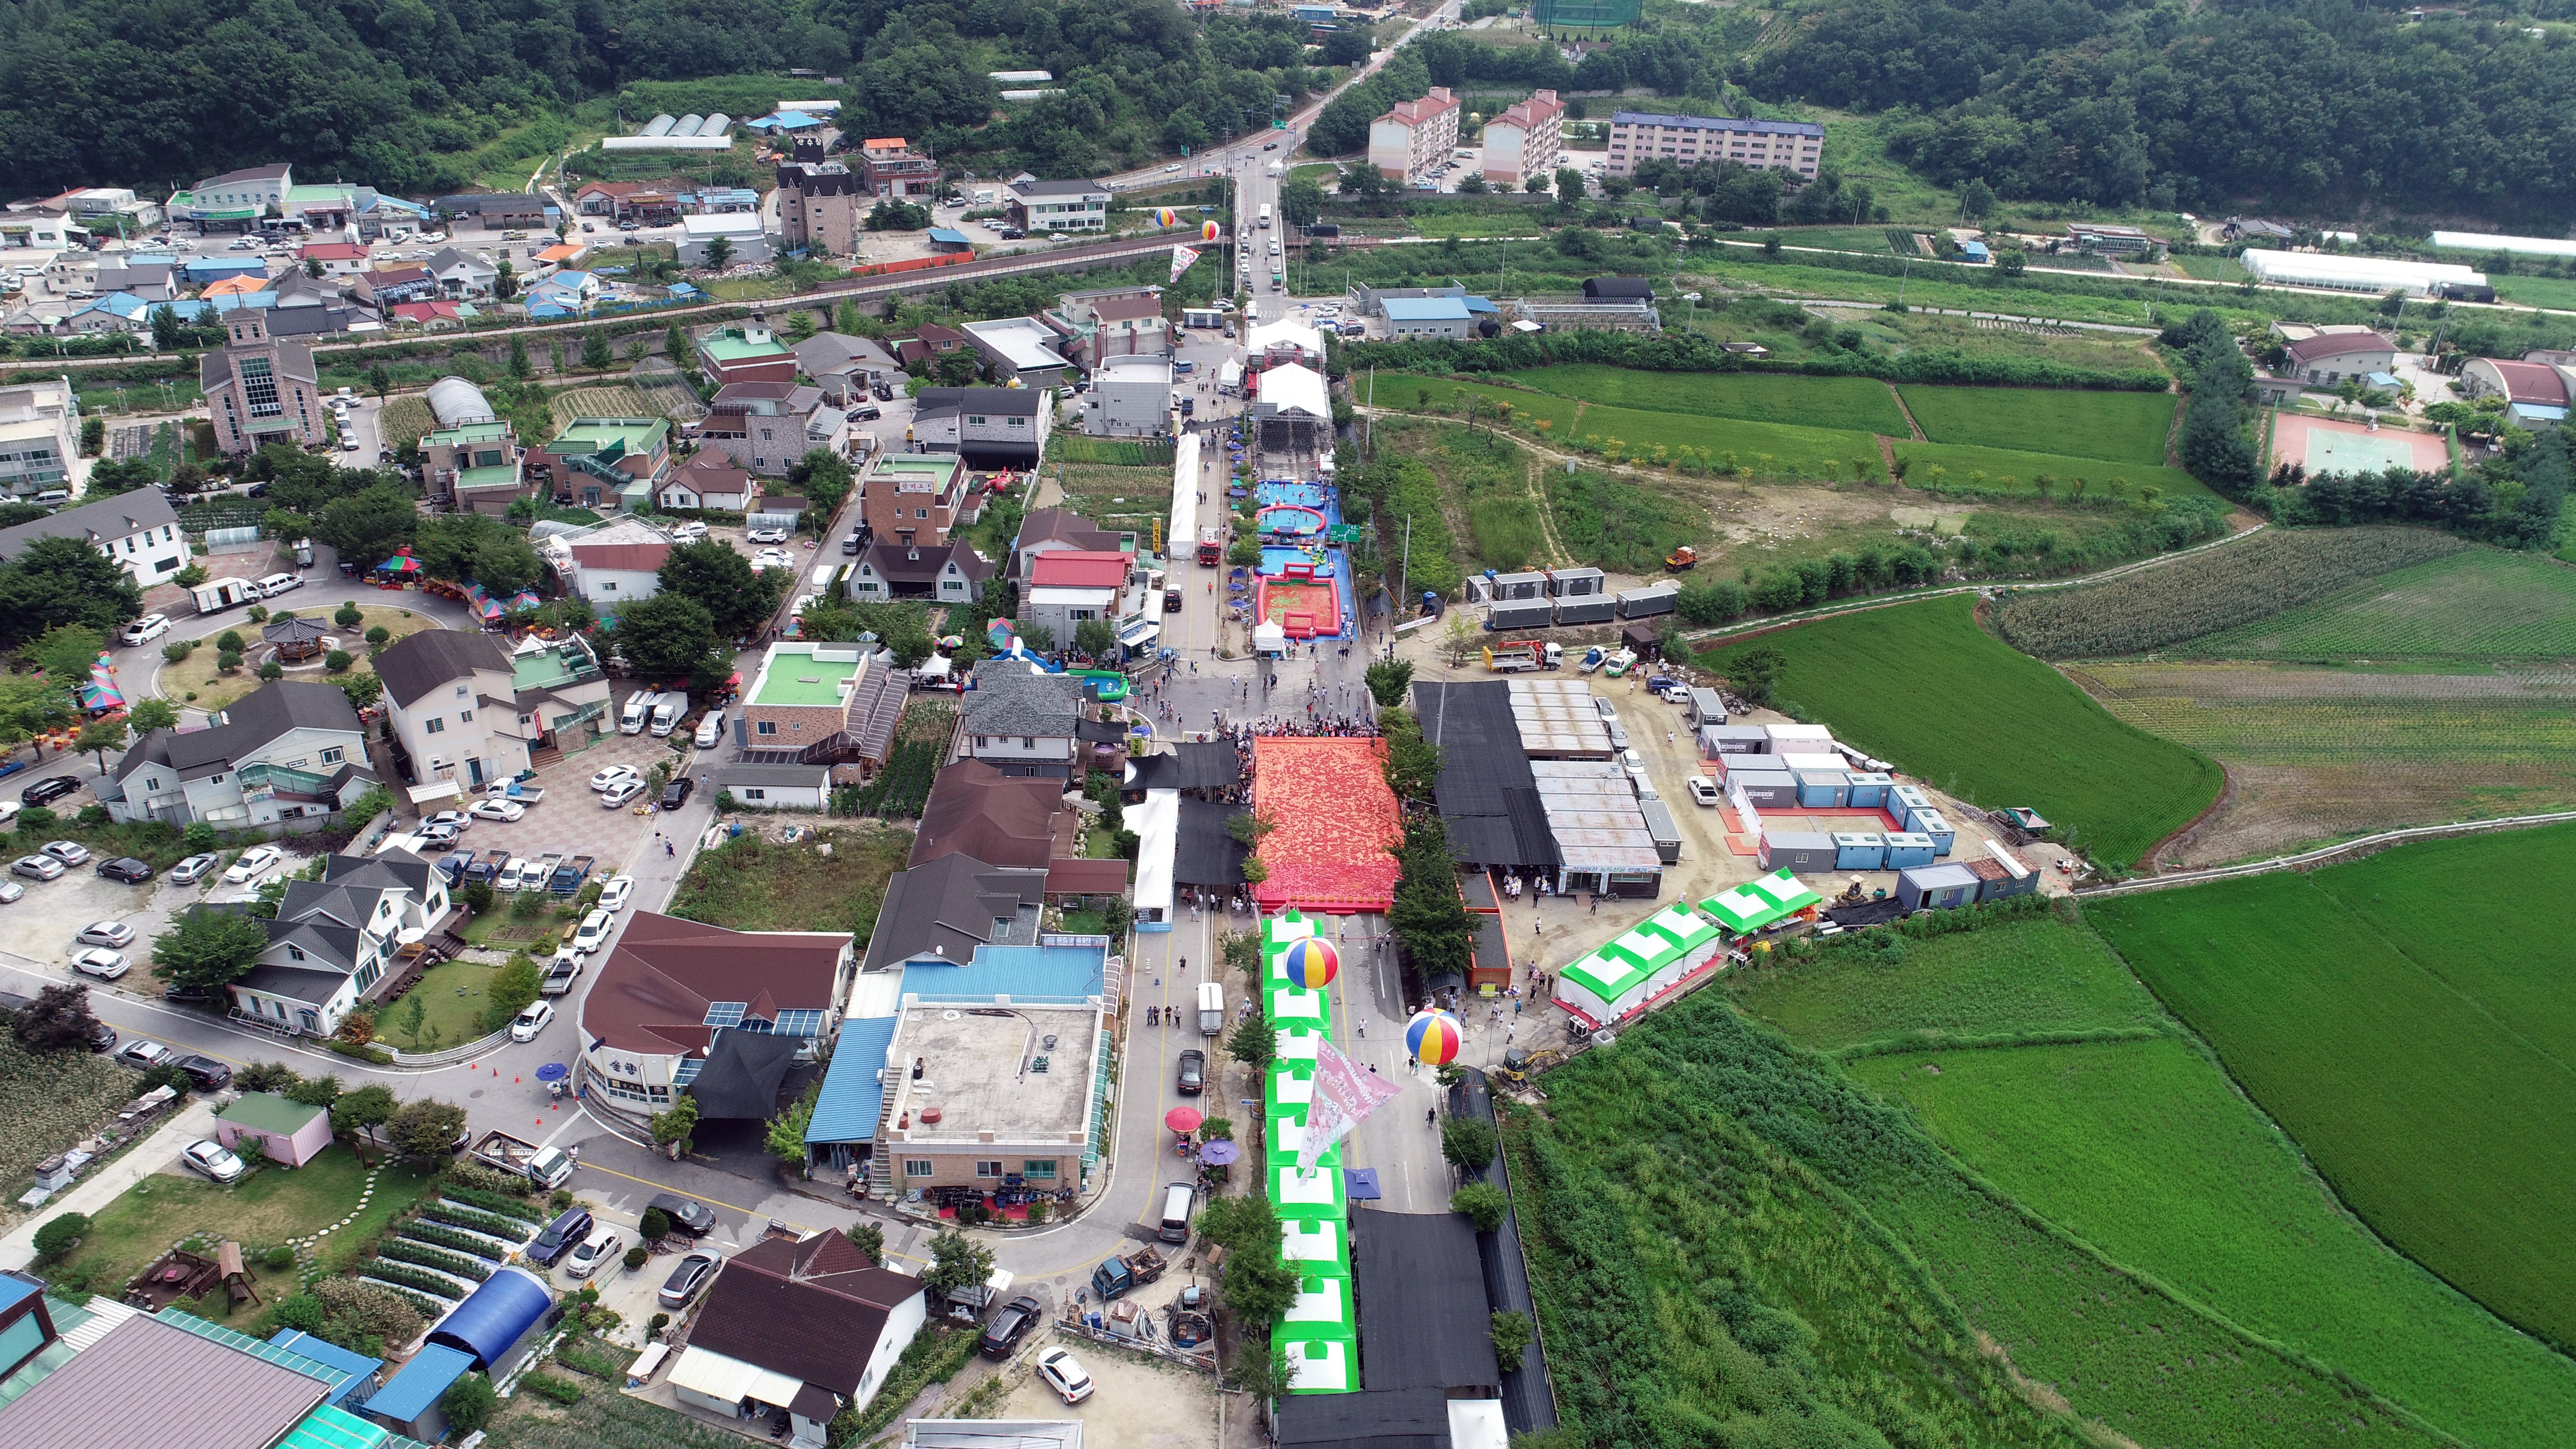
(276, 584)
(593, 932)
(711, 730)
(1609, 715)
(214, 1159)
(688, 531)
(100, 962)
(614, 894)
(1635, 765)
(253, 863)
(771, 558)
(517, 875)
(603, 1246)
(451, 819)
(1064, 1374)
(621, 794)
(531, 1021)
(141, 1053)
(497, 810)
(614, 776)
(9, 811)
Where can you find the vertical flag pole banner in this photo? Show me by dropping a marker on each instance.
(1183, 258)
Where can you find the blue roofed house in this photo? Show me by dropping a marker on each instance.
(1975, 252)
(1431, 317)
(950, 239)
(115, 312)
(408, 1404)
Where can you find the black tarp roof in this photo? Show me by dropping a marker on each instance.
(1369, 1419)
(742, 1073)
(1207, 854)
(1198, 765)
(1486, 793)
(1420, 1285)
(1528, 1404)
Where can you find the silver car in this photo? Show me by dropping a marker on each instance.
(194, 869)
(107, 933)
(621, 794)
(213, 1159)
(37, 867)
(69, 852)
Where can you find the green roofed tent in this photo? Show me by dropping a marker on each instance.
(1620, 976)
(330, 1428)
(1320, 1363)
(1757, 903)
(1312, 1196)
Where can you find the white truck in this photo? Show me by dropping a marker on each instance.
(667, 711)
(638, 712)
(547, 1167)
(1265, 215)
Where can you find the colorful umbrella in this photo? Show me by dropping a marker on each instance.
(1434, 1037)
(1219, 1152)
(101, 692)
(1311, 963)
(1183, 1119)
(553, 1072)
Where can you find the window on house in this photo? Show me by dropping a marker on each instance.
(214, 779)
(294, 953)
(919, 1167)
(465, 716)
(460, 691)
(766, 727)
(1028, 742)
(1039, 1167)
(755, 794)
(435, 726)
(992, 1168)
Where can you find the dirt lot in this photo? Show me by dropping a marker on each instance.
(1140, 1403)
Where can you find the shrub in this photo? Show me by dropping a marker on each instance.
(272, 670)
(637, 1257)
(178, 649)
(229, 641)
(655, 1226)
(338, 660)
(61, 1234)
(1468, 1142)
(654, 1326)
(227, 662)
(1511, 1333)
(378, 635)
(1483, 1203)
(547, 1386)
(468, 1403)
(348, 616)
(35, 820)
(256, 613)
(280, 1258)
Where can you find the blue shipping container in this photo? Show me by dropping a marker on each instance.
(1823, 789)
(1869, 788)
(1929, 822)
(1863, 850)
(1908, 849)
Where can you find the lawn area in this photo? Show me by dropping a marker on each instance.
(1706, 1198)
(2118, 427)
(2558, 292)
(1763, 450)
(2211, 269)
(2030, 974)
(2143, 1149)
(1923, 686)
(55, 1098)
(263, 1210)
(2435, 1115)
(1407, 391)
(1869, 239)
(443, 1009)
(2008, 471)
(755, 884)
(1858, 403)
(2477, 604)
(197, 682)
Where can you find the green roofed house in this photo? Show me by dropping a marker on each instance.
(745, 352)
(1617, 979)
(1747, 908)
(606, 462)
(471, 461)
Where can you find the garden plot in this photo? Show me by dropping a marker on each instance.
(600, 402)
(55, 1098)
(460, 1238)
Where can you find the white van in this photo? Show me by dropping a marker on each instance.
(276, 584)
(1178, 1199)
(146, 629)
(638, 712)
(711, 729)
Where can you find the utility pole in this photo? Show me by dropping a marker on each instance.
(1901, 280)
(1404, 567)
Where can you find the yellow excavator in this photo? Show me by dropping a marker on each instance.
(1519, 1066)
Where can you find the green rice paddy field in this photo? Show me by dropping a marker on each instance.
(1923, 686)
(2143, 1149)
(2477, 604)
(2008, 471)
(1859, 403)
(2117, 427)
(2405, 1019)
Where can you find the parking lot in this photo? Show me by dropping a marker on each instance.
(40, 925)
(1137, 1401)
(571, 819)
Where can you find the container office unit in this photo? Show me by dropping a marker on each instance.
(1577, 583)
(1999, 879)
(1929, 822)
(1802, 763)
(1521, 614)
(1766, 789)
(1936, 887)
(1705, 708)
(1800, 739)
(1860, 850)
(1649, 601)
(1520, 586)
(1665, 831)
(1586, 609)
(1716, 740)
(1869, 790)
(1903, 801)
(1823, 789)
(1804, 852)
(1905, 848)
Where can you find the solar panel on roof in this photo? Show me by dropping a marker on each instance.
(726, 1013)
(800, 1022)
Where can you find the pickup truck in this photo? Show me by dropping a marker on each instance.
(561, 972)
(519, 790)
(547, 1167)
(1125, 1273)
(543, 872)
(569, 875)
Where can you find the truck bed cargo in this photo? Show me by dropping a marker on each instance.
(568, 876)
(547, 1167)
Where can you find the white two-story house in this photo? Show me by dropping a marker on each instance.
(138, 530)
(336, 941)
(467, 714)
(1020, 722)
(285, 751)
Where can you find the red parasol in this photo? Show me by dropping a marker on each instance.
(1183, 1119)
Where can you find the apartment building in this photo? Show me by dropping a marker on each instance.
(889, 169)
(913, 498)
(39, 435)
(1058, 205)
(1409, 142)
(818, 203)
(1638, 136)
(1526, 140)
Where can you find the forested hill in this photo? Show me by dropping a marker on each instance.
(400, 93)
(2322, 106)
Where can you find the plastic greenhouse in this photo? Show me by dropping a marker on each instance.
(2355, 274)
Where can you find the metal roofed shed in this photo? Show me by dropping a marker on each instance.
(286, 1131)
(495, 1317)
(1760, 902)
(1936, 887)
(1906, 848)
(408, 1403)
(1765, 788)
(1620, 976)
(141, 1378)
(1733, 739)
(1649, 601)
(1802, 851)
(853, 1093)
(1823, 789)
(1860, 850)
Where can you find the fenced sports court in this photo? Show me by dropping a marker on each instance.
(2326, 446)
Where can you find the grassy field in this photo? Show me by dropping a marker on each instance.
(2142, 1148)
(1870, 239)
(1857, 403)
(261, 1211)
(2442, 1125)
(2034, 974)
(2479, 604)
(2116, 427)
(2211, 269)
(1414, 393)
(1735, 446)
(2558, 292)
(1923, 686)
(1960, 464)
(1119, 452)
(451, 997)
(755, 884)
(1689, 1269)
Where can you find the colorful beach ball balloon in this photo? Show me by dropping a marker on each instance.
(1311, 963)
(1434, 1038)
(1210, 231)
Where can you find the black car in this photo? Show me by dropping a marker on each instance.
(1010, 1326)
(102, 1037)
(560, 1237)
(127, 869)
(1193, 1073)
(195, 995)
(205, 1073)
(689, 1217)
(676, 794)
(46, 792)
(256, 490)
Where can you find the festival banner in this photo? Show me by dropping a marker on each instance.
(1345, 1093)
(1183, 258)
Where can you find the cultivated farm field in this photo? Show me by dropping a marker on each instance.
(2209, 595)
(2009, 470)
(2436, 1119)
(1857, 403)
(599, 402)
(2116, 427)
(1921, 685)
(1672, 1195)
(2478, 603)
(2143, 1149)
(2027, 975)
